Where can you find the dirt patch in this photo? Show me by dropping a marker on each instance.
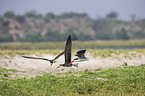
(33, 67)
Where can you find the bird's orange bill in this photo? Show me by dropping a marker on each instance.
(71, 62)
(58, 67)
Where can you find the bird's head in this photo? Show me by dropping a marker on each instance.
(52, 61)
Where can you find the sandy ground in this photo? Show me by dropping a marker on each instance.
(35, 67)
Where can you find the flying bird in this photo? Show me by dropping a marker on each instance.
(67, 54)
(81, 56)
(51, 61)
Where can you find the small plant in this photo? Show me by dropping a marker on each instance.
(6, 75)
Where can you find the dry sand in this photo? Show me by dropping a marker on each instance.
(35, 67)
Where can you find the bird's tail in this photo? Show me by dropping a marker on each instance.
(75, 65)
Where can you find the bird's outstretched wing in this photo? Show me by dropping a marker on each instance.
(68, 50)
(81, 53)
(36, 58)
(58, 55)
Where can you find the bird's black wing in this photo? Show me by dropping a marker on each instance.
(81, 52)
(36, 58)
(68, 50)
(58, 55)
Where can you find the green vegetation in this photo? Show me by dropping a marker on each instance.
(110, 53)
(33, 27)
(93, 52)
(26, 52)
(116, 81)
(77, 45)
